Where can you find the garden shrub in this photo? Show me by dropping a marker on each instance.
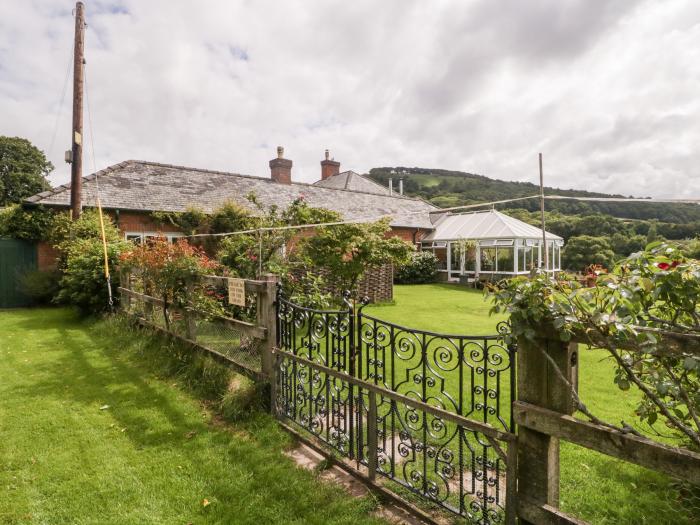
(348, 251)
(422, 268)
(172, 272)
(644, 313)
(83, 282)
(40, 286)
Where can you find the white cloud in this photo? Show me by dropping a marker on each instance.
(606, 89)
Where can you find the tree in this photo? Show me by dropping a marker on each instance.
(23, 170)
(585, 250)
(652, 233)
(30, 225)
(347, 251)
(249, 255)
(625, 245)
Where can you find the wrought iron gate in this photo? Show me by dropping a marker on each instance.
(427, 411)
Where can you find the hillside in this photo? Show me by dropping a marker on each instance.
(446, 188)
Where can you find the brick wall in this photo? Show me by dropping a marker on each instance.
(46, 257)
(140, 222)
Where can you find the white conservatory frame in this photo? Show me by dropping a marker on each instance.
(519, 247)
(486, 234)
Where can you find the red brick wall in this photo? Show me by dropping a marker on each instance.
(46, 257)
(140, 222)
(410, 235)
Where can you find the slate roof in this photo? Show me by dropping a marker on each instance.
(148, 186)
(489, 224)
(349, 180)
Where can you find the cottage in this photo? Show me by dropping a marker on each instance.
(469, 246)
(130, 191)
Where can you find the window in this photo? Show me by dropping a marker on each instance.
(526, 259)
(136, 238)
(504, 259)
(141, 237)
(488, 259)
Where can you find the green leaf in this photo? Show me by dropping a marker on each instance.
(690, 363)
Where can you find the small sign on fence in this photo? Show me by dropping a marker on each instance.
(236, 291)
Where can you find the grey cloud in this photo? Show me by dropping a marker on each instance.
(606, 89)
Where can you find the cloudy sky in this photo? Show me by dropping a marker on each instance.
(608, 90)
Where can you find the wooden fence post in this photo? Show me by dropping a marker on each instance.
(539, 383)
(125, 282)
(190, 319)
(267, 317)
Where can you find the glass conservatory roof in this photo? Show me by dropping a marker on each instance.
(490, 224)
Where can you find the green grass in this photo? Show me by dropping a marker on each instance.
(99, 424)
(594, 487)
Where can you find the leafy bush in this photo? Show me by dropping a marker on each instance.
(347, 251)
(422, 268)
(35, 224)
(644, 314)
(249, 255)
(83, 283)
(171, 272)
(40, 286)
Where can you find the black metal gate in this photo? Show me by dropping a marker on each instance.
(429, 412)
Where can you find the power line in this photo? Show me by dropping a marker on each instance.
(59, 110)
(354, 221)
(437, 211)
(623, 199)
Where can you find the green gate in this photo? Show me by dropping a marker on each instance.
(16, 258)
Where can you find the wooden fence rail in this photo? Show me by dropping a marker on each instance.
(544, 415)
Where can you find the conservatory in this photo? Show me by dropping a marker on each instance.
(490, 244)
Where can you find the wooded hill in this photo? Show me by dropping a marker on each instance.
(447, 188)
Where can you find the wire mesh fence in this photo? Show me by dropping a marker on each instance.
(227, 337)
(222, 337)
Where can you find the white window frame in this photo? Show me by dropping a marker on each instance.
(142, 236)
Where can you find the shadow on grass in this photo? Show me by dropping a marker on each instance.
(246, 474)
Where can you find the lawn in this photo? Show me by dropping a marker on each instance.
(593, 487)
(91, 433)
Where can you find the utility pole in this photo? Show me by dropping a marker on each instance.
(544, 234)
(76, 158)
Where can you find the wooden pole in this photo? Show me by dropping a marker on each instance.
(76, 171)
(544, 234)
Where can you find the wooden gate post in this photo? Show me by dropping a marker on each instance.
(267, 317)
(539, 383)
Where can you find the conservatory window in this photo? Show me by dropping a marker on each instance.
(504, 259)
(488, 259)
(526, 258)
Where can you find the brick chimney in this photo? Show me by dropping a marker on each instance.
(281, 168)
(329, 167)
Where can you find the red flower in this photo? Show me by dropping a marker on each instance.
(664, 266)
(675, 263)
